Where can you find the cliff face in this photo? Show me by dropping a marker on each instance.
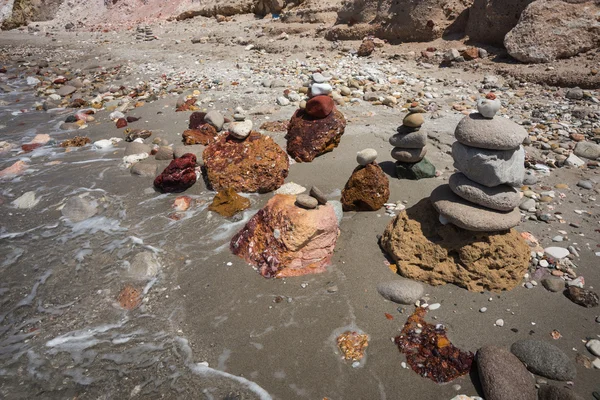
(14, 13)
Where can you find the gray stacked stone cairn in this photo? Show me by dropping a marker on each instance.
(491, 163)
(409, 147)
(144, 33)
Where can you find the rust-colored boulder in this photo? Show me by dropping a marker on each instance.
(228, 203)
(204, 134)
(309, 137)
(284, 240)
(256, 164)
(320, 106)
(427, 251)
(367, 47)
(368, 189)
(178, 176)
(196, 120)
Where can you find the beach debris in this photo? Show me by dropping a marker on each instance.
(353, 345)
(429, 351)
(409, 147)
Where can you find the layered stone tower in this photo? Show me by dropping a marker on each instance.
(409, 147)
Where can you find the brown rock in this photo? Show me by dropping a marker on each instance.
(583, 297)
(427, 251)
(228, 203)
(121, 123)
(319, 106)
(196, 120)
(308, 137)
(283, 240)
(367, 47)
(256, 164)
(77, 141)
(470, 53)
(204, 134)
(367, 189)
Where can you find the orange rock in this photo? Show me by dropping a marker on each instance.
(368, 189)
(228, 203)
(130, 297)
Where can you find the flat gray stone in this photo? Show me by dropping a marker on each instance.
(366, 156)
(545, 359)
(401, 291)
(406, 155)
(136, 148)
(66, 90)
(587, 150)
(412, 140)
(553, 284)
(470, 216)
(164, 153)
(215, 119)
(306, 201)
(498, 133)
(144, 169)
(490, 167)
(144, 266)
(501, 198)
(195, 149)
(503, 376)
(77, 209)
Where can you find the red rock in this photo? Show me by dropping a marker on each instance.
(132, 119)
(470, 53)
(256, 164)
(14, 170)
(309, 137)
(189, 105)
(28, 147)
(59, 81)
(320, 106)
(196, 120)
(368, 189)
(178, 176)
(578, 137)
(205, 134)
(366, 48)
(228, 203)
(121, 123)
(283, 240)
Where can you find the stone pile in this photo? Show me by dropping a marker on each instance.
(144, 33)
(409, 147)
(490, 158)
(368, 188)
(318, 128)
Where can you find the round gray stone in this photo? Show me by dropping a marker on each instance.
(77, 209)
(144, 169)
(545, 359)
(241, 129)
(490, 167)
(587, 150)
(215, 119)
(401, 291)
(366, 156)
(318, 194)
(501, 198)
(136, 148)
(494, 134)
(408, 155)
(66, 90)
(553, 284)
(503, 376)
(306, 201)
(413, 140)
(164, 153)
(470, 216)
(144, 266)
(527, 204)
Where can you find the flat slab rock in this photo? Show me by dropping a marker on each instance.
(500, 198)
(368, 189)
(427, 251)
(256, 164)
(283, 240)
(309, 137)
(471, 216)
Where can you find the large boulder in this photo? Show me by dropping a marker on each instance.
(256, 164)
(545, 359)
(284, 240)
(368, 189)
(490, 20)
(427, 251)
(310, 137)
(503, 376)
(552, 29)
(15, 13)
(400, 20)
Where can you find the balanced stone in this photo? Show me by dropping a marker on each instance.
(470, 216)
(413, 140)
(501, 198)
(415, 171)
(488, 107)
(408, 155)
(320, 88)
(306, 201)
(494, 134)
(241, 129)
(215, 119)
(414, 120)
(366, 156)
(318, 194)
(490, 167)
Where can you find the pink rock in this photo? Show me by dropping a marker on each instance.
(283, 240)
(182, 203)
(41, 138)
(14, 170)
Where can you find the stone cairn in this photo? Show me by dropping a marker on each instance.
(368, 188)
(488, 153)
(409, 147)
(144, 33)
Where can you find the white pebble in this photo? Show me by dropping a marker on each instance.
(499, 322)
(434, 306)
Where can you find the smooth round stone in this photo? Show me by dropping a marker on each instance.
(470, 216)
(528, 205)
(413, 140)
(306, 201)
(366, 156)
(401, 291)
(414, 120)
(320, 88)
(545, 359)
(239, 117)
(317, 77)
(318, 194)
(240, 130)
(215, 119)
(501, 198)
(593, 346)
(556, 252)
(493, 134)
(408, 155)
(488, 108)
(490, 167)
(319, 106)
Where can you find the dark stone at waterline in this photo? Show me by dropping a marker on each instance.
(178, 176)
(583, 297)
(415, 171)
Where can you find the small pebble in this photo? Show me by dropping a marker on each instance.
(483, 309)
(306, 201)
(499, 322)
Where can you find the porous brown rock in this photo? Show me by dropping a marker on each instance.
(204, 134)
(310, 137)
(228, 203)
(368, 189)
(256, 164)
(283, 240)
(427, 251)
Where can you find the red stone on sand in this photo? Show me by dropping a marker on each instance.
(178, 176)
(319, 106)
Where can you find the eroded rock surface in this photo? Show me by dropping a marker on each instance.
(310, 137)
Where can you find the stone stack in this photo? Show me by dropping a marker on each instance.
(490, 158)
(318, 128)
(409, 148)
(368, 188)
(144, 33)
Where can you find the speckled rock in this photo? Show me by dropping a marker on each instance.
(366, 190)
(204, 134)
(545, 359)
(309, 137)
(490, 167)
(503, 376)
